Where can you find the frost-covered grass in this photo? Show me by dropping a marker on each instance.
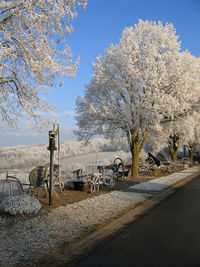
(22, 176)
(165, 181)
(87, 162)
(73, 155)
(38, 235)
(21, 156)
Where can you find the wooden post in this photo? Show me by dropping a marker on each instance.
(51, 148)
(51, 179)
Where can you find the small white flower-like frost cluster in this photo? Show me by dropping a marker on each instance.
(21, 204)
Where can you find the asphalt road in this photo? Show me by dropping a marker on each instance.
(169, 235)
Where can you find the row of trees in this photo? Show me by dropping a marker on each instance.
(144, 87)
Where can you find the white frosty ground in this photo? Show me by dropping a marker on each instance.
(165, 181)
(33, 238)
(24, 240)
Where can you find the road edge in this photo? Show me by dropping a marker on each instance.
(70, 254)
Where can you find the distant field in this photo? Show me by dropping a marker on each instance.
(87, 162)
(29, 156)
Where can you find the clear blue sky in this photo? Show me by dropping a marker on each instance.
(95, 28)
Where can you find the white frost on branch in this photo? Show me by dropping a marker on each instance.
(186, 131)
(31, 56)
(144, 82)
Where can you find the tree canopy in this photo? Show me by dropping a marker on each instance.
(32, 53)
(138, 85)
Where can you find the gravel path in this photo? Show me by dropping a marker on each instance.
(33, 238)
(165, 181)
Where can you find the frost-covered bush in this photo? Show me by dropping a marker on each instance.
(21, 204)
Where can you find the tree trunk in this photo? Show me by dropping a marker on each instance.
(136, 145)
(174, 156)
(191, 155)
(184, 149)
(173, 147)
(135, 162)
(174, 153)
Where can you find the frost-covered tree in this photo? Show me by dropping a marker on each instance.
(178, 133)
(188, 134)
(193, 140)
(173, 135)
(32, 53)
(138, 85)
(173, 144)
(192, 147)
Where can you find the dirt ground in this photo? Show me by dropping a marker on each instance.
(70, 194)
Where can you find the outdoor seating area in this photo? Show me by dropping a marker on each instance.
(105, 175)
(77, 184)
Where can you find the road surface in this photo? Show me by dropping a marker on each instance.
(169, 235)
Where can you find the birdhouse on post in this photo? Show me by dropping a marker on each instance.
(52, 140)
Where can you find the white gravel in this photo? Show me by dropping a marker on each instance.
(34, 237)
(165, 181)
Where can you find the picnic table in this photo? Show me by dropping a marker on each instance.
(78, 183)
(105, 175)
(91, 181)
(79, 180)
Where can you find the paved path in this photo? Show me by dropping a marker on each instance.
(169, 235)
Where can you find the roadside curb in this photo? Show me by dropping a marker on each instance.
(69, 254)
